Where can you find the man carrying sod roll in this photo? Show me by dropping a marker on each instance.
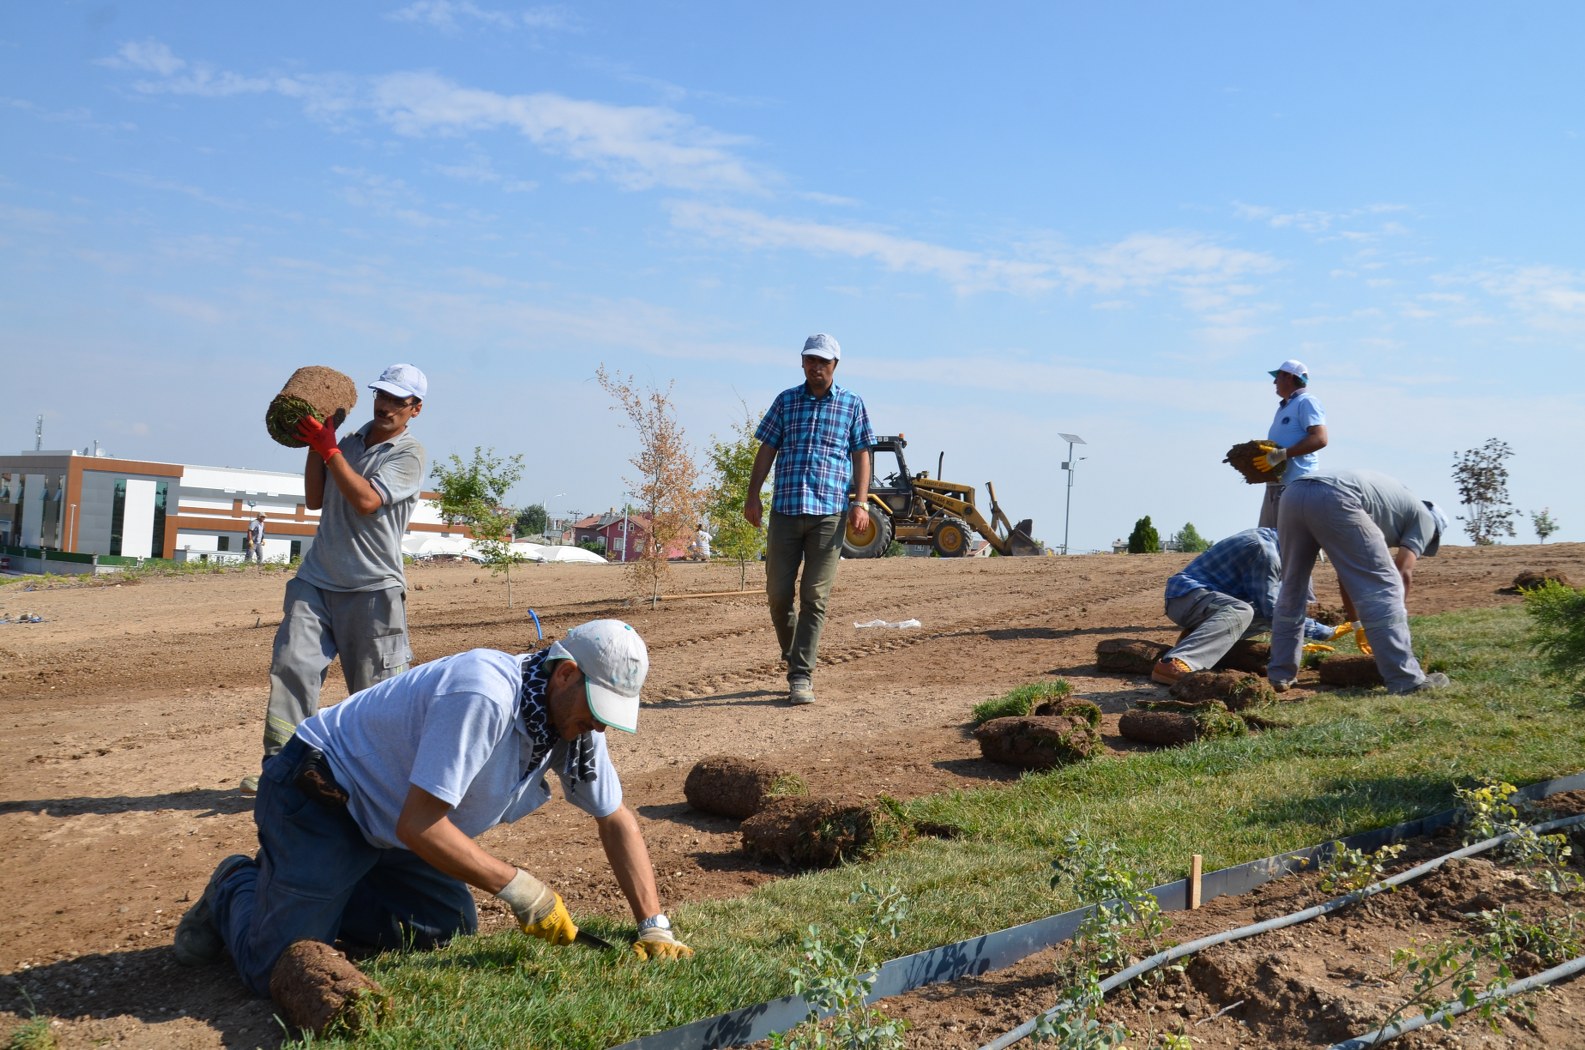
(367, 819)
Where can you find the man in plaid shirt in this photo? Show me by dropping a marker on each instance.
(818, 436)
(1226, 594)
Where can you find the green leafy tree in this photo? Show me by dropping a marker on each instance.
(473, 493)
(1481, 475)
(1144, 539)
(667, 486)
(1189, 539)
(1545, 524)
(531, 521)
(731, 463)
(1557, 630)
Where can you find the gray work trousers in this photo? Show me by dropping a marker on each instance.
(814, 542)
(1213, 622)
(367, 629)
(1314, 517)
(1270, 500)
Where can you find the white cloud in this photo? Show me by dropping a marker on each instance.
(449, 15)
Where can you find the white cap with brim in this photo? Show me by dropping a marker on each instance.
(614, 662)
(1441, 528)
(822, 345)
(402, 381)
(1293, 368)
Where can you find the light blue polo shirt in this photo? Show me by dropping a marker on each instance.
(1293, 420)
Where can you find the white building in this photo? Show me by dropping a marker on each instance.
(71, 509)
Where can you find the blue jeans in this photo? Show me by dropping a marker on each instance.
(317, 878)
(813, 541)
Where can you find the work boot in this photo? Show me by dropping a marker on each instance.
(1282, 686)
(250, 785)
(1169, 669)
(1434, 680)
(800, 690)
(198, 939)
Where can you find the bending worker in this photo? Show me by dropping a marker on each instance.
(1226, 594)
(1355, 516)
(367, 818)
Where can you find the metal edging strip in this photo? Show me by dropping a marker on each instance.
(995, 951)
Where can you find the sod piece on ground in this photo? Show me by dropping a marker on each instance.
(737, 787)
(1349, 670)
(1530, 579)
(1246, 656)
(1168, 723)
(1236, 689)
(1075, 706)
(821, 832)
(1038, 741)
(1130, 655)
(317, 990)
(314, 390)
(1241, 457)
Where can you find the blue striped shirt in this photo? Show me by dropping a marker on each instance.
(814, 439)
(1247, 566)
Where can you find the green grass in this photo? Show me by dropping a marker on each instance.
(1343, 763)
(1021, 701)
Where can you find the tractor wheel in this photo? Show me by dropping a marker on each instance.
(952, 538)
(872, 542)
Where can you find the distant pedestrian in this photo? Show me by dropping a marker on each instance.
(701, 543)
(1299, 432)
(254, 545)
(1355, 516)
(818, 437)
(349, 597)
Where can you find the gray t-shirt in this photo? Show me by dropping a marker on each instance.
(451, 727)
(363, 552)
(1403, 519)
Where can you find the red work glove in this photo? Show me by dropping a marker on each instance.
(320, 438)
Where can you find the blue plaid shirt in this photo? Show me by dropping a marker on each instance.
(814, 439)
(1247, 566)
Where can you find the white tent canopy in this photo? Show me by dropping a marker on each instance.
(431, 546)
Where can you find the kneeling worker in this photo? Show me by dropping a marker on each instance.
(367, 818)
(1226, 594)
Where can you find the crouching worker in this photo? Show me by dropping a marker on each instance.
(1227, 594)
(367, 818)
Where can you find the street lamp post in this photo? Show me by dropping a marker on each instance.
(546, 506)
(1069, 465)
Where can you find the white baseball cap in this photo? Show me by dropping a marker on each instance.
(1440, 516)
(402, 381)
(1293, 368)
(614, 662)
(822, 345)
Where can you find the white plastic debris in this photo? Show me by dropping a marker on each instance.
(895, 623)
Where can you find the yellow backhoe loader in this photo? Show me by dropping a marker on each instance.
(916, 509)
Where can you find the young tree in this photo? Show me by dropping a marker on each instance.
(1545, 524)
(474, 494)
(1482, 480)
(667, 484)
(531, 521)
(1189, 539)
(732, 461)
(1144, 539)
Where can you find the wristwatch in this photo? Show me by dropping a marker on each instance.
(654, 922)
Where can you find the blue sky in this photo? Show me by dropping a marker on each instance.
(1019, 219)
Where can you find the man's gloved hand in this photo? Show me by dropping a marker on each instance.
(1360, 639)
(1340, 630)
(656, 942)
(1270, 459)
(540, 911)
(320, 438)
(1318, 647)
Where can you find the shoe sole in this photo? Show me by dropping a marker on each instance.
(199, 921)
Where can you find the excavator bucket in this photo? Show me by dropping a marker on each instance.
(1020, 541)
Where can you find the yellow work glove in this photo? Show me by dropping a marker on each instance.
(540, 911)
(1318, 647)
(658, 942)
(1360, 639)
(1340, 630)
(1271, 457)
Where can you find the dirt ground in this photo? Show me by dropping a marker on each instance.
(131, 711)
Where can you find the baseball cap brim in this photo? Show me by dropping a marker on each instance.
(611, 708)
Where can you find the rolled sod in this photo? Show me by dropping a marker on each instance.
(314, 390)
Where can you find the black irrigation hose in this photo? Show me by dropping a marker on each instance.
(1393, 1031)
(1122, 977)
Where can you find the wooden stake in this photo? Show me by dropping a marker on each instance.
(1194, 881)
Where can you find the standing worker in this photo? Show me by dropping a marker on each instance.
(1297, 433)
(1355, 516)
(349, 595)
(366, 820)
(818, 436)
(255, 544)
